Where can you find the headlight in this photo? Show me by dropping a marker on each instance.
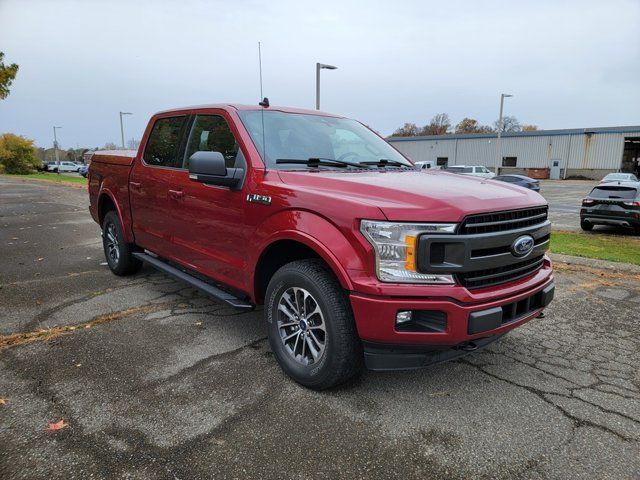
(395, 245)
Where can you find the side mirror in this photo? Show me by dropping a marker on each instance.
(210, 168)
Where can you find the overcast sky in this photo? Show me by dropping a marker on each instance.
(569, 64)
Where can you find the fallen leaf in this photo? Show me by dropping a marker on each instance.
(3, 401)
(40, 259)
(57, 426)
(198, 323)
(78, 364)
(87, 326)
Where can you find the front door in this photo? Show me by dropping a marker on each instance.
(209, 229)
(150, 183)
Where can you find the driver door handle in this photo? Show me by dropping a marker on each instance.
(177, 194)
(135, 185)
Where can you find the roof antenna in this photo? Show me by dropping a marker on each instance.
(264, 104)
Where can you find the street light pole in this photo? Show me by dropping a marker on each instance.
(320, 66)
(122, 126)
(498, 146)
(55, 148)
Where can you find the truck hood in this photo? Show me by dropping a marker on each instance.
(414, 195)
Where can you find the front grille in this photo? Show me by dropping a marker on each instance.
(495, 276)
(503, 221)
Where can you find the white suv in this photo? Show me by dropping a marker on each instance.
(473, 170)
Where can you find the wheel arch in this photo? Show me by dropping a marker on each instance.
(289, 247)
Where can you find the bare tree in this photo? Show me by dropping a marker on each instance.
(509, 124)
(408, 130)
(439, 125)
(133, 144)
(110, 146)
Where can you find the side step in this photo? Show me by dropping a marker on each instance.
(205, 287)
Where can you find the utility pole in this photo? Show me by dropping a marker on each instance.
(320, 66)
(122, 127)
(500, 126)
(55, 149)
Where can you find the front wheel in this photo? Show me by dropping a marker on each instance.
(118, 252)
(311, 327)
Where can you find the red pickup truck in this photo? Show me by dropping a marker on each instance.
(358, 257)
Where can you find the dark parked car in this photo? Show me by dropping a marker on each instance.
(84, 169)
(612, 204)
(521, 181)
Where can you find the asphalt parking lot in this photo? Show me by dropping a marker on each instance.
(565, 198)
(156, 381)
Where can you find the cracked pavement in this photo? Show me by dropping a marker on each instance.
(174, 385)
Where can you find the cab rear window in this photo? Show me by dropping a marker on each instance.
(623, 193)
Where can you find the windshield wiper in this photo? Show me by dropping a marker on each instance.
(383, 162)
(316, 162)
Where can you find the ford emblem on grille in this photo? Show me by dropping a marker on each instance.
(522, 246)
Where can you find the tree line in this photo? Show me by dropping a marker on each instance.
(441, 124)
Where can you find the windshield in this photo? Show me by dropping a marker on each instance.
(293, 136)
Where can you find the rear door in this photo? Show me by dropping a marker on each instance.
(210, 231)
(151, 178)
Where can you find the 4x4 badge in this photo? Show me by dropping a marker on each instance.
(255, 198)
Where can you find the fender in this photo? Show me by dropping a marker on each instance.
(125, 222)
(317, 233)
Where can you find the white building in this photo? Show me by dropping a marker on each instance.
(588, 152)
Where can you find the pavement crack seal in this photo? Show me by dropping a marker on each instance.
(43, 335)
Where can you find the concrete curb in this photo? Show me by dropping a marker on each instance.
(595, 263)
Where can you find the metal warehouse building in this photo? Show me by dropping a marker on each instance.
(588, 152)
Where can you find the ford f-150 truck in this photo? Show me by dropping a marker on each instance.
(358, 257)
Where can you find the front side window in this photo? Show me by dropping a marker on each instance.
(294, 136)
(164, 142)
(211, 133)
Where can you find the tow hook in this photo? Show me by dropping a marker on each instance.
(467, 347)
(541, 315)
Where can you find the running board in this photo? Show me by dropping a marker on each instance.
(210, 290)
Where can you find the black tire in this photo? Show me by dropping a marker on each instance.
(341, 357)
(117, 252)
(586, 226)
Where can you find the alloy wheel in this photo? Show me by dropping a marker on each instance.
(301, 326)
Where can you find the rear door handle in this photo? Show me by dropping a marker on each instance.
(177, 194)
(135, 185)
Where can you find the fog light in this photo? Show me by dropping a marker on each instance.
(404, 317)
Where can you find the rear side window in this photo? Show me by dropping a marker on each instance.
(164, 142)
(623, 193)
(211, 133)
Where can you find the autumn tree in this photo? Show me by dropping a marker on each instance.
(529, 128)
(17, 154)
(439, 125)
(7, 74)
(471, 125)
(408, 130)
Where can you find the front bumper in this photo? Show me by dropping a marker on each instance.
(468, 325)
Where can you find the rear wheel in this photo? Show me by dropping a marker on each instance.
(311, 327)
(117, 252)
(586, 226)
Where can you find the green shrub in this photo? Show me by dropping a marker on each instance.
(17, 154)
